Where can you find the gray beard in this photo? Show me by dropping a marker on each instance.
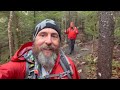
(46, 62)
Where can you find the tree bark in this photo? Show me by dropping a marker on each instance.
(105, 45)
(10, 34)
(34, 17)
(17, 31)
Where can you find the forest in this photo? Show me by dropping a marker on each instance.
(97, 47)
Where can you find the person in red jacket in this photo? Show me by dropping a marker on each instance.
(41, 58)
(72, 32)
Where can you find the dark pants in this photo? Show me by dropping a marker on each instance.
(71, 43)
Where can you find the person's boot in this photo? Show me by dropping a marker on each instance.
(70, 53)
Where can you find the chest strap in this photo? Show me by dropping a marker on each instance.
(59, 76)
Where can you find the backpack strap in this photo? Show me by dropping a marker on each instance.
(31, 67)
(30, 70)
(30, 63)
(27, 70)
(65, 64)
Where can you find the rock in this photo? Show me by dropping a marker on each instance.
(84, 49)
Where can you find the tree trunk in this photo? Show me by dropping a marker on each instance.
(81, 28)
(105, 45)
(69, 19)
(34, 18)
(64, 24)
(10, 34)
(16, 31)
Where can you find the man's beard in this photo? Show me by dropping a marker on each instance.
(46, 61)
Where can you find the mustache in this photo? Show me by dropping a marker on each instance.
(51, 47)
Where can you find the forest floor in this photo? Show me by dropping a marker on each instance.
(85, 59)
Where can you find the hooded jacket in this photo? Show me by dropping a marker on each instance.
(16, 67)
(72, 31)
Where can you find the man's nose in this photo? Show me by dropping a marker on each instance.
(48, 40)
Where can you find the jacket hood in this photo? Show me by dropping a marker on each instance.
(18, 56)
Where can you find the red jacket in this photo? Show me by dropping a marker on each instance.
(16, 68)
(72, 33)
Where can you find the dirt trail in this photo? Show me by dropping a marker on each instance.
(79, 53)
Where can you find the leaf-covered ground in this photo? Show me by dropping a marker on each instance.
(85, 59)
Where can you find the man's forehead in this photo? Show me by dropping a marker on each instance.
(48, 30)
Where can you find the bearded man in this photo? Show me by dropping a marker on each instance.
(39, 59)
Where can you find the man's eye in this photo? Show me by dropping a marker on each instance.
(42, 35)
(55, 36)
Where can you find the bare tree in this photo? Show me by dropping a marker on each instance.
(10, 34)
(34, 17)
(105, 45)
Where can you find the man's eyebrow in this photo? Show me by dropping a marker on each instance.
(42, 32)
(54, 33)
